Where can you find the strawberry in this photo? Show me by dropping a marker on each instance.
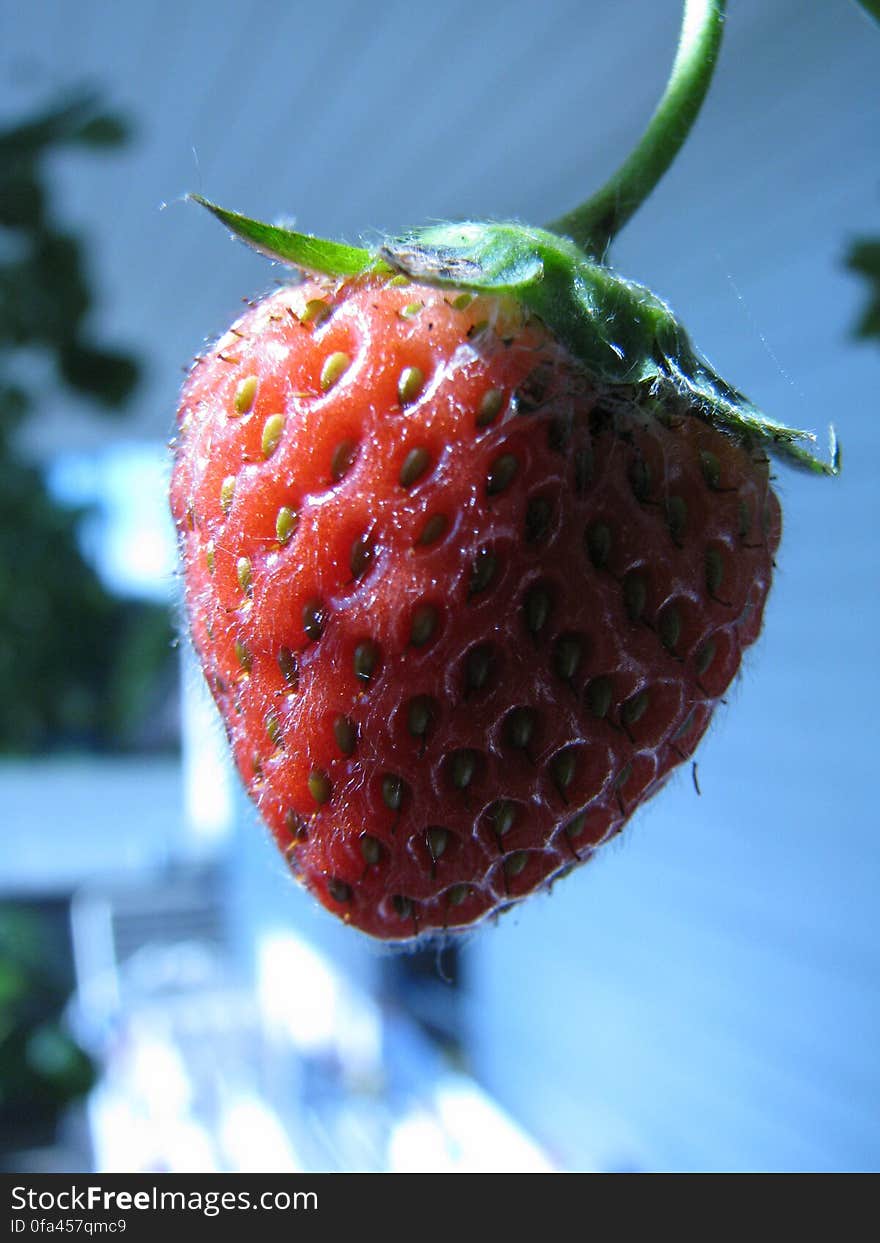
(473, 544)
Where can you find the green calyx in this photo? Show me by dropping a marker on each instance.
(621, 332)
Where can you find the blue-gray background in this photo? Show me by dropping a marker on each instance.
(705, 995)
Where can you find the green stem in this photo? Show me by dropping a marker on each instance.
(596, 222)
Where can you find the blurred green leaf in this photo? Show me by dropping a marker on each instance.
(70, 665)
(22, 199)
(107, 375)
(45, 296)
(77, 118)
(872, 8)
(864, 260)
(103, 131)
(42, 1068)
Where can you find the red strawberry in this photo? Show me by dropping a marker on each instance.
(473, 542)
(461, 609)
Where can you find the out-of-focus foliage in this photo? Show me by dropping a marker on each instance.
(872, 8)
(864, 259)
(45, 296)
(76, 664)
(42, 1068)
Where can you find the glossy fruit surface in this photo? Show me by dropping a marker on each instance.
(462, 607)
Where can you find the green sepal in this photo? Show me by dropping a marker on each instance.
(313, 254)
(622, 333)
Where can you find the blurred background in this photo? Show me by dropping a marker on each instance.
(702, 997)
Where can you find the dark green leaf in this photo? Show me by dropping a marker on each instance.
(864, 260)
(106, 130)
(108, 376)
(872, 8)
(76, 664)
(21, 197)
(76, 118)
